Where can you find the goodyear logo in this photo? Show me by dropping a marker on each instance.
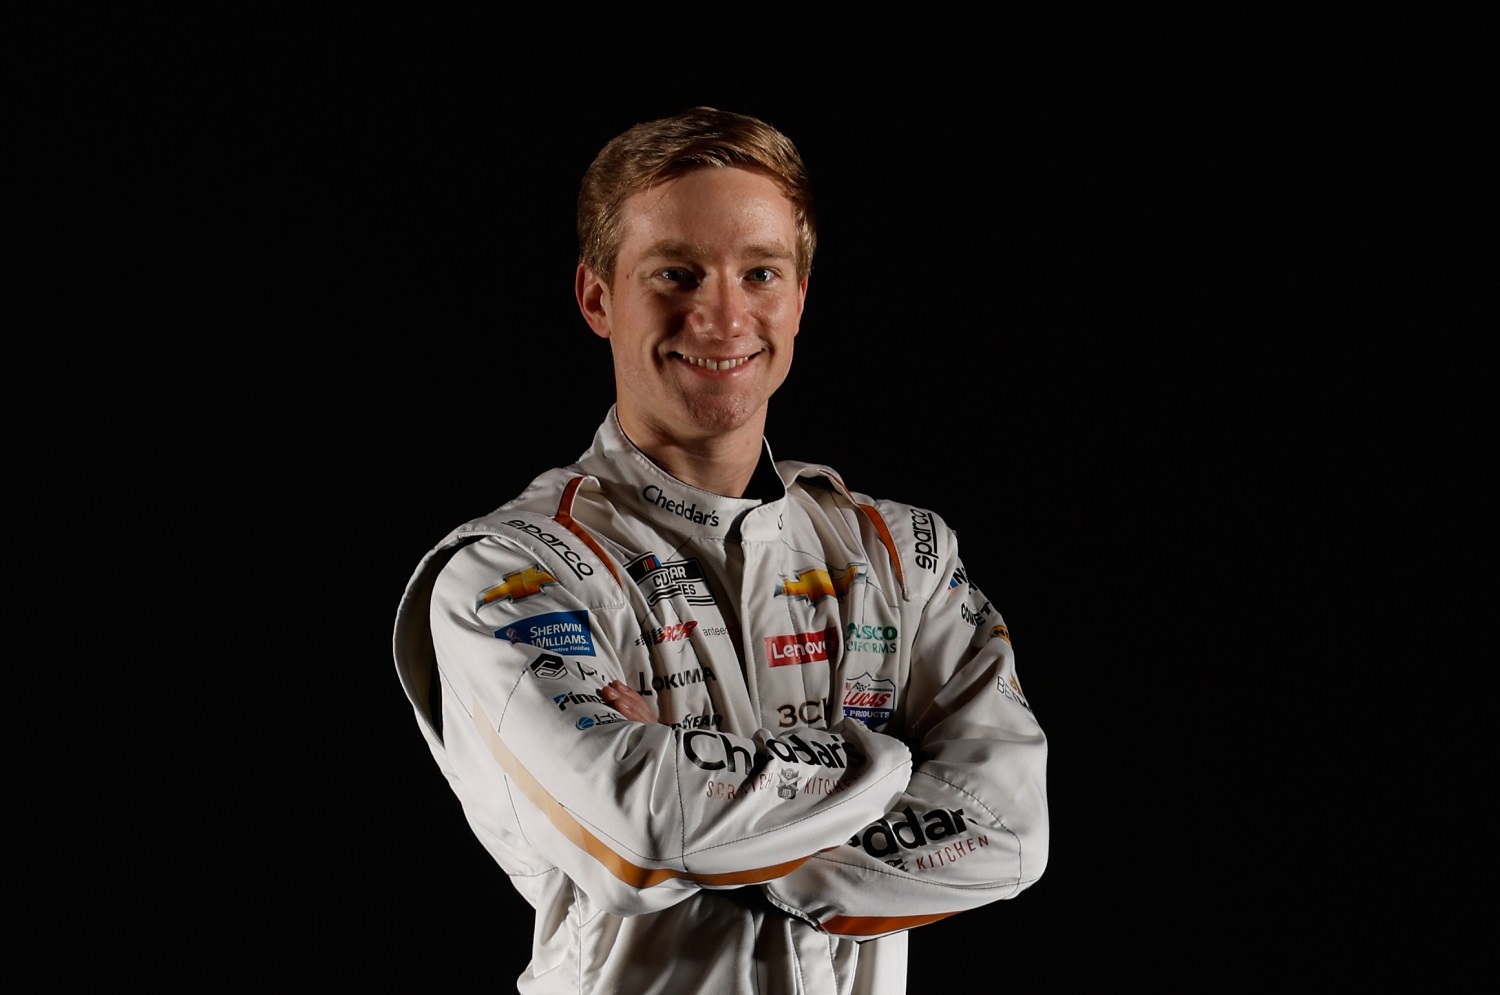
(816, 584)
(522, 584)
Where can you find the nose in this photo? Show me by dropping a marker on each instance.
(719, 307)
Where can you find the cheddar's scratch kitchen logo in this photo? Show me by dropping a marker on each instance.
(521, 584)
(801, 647)
(658, 497)
(561, 632)
(659, 580)
(816, 584)
(889, 840)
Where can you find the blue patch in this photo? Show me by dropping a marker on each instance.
(561, 632)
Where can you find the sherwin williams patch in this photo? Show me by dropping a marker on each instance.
(561, 632)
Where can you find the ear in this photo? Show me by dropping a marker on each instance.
(801, 302)
(593, 300)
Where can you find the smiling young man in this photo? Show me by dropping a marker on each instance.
(727, 724)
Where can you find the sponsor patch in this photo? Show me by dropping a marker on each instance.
(889, 839)
(521, 584)
(549, 667)
(659, 580)
(682, 509)
(575, 562)
(801, 647)
(561, 632)
(870, 638)
(816, 584)
(869, 699)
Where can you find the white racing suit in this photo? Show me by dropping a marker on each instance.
(842, 751)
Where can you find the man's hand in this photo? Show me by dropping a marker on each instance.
(627, 701)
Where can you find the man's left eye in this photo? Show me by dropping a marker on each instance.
(761, 274)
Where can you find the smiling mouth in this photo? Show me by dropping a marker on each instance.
(715, 364)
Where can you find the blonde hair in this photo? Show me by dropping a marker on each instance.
(654, 151)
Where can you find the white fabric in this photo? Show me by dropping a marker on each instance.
(843, 750)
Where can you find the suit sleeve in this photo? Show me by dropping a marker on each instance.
(639, 816)
(971, 827)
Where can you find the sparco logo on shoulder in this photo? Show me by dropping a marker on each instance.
(572, 559)
(658, 497)
(922, 532)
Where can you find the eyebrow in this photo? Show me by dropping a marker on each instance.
(678, 249)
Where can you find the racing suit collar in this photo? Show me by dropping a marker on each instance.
(634, 480)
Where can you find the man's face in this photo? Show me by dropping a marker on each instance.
(704, 305)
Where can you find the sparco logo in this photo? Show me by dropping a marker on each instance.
(801, 647)
(716, 751)
(884, 839)
(921, 530)
(574, 562)
(659, 498)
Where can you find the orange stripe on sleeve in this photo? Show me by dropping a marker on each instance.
(877, 925)
(628, 872)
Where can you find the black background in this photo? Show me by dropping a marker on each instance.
(1113, 319)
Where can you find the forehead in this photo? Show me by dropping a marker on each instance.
(718, 206)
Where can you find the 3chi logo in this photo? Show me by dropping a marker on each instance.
(521, 584)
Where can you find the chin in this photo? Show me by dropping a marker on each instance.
(724, 414)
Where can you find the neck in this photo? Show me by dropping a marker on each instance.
(720, 464)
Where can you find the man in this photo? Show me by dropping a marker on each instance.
(727, 724)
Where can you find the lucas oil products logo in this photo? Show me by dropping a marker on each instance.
(869, 700)
(561, 632)
(675, 578)
(521, 584)
(658, 497)
(801, 647)
(816, 584)
(570, 557)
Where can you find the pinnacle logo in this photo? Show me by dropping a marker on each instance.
(522, 584)
(816, 584)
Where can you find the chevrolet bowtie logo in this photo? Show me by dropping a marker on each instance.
(516, 586)
(815, 584)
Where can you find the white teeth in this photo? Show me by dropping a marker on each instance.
(717, 364)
